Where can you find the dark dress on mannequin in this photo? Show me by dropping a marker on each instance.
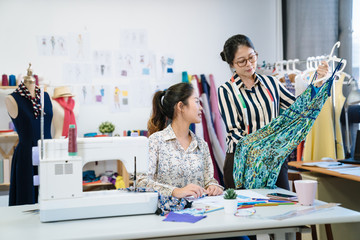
(22, 190)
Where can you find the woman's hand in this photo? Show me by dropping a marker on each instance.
(214, 190)
(322, 69)
(188, 191)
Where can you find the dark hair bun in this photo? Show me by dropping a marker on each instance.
(222, 54)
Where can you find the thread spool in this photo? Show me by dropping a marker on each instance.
(72, 147)
(36, 79)
(5, 81)
(12, 80)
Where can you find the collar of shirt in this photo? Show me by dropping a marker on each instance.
(241, 84)
(169, 134)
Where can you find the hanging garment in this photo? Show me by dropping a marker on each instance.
(218, 123)
(69, 116)
(320, 142)
(259, 156)
(198, 126)
(217, 171)
(22, 190)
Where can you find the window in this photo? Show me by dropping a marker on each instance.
(356, 40)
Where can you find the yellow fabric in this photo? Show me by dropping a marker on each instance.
(119, 183)
(320, 142)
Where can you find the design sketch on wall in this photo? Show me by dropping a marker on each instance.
(133, 38)
(52, 45)
(79, 46)
(101, 94)
(145, 63)
(124, 63)
(102, 64)
(141, 93)
(120, 101)
(77, 73)
(165, 63)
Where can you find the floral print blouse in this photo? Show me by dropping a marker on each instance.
(170, 166)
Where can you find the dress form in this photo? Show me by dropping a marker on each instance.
(10, 102)
(59, 115)
(24, 107)
(61, 108)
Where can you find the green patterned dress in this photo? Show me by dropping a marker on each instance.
(259, 156)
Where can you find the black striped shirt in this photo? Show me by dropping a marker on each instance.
(259, 105)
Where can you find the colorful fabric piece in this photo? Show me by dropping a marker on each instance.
(259, 156)
(35, 101)
(185, 217)
(69, 116)
(168, 204)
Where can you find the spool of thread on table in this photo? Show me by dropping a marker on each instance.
(72, 147)
(5, 81)
(12, 80)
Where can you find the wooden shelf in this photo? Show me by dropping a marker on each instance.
(8, 87)
(4, 186)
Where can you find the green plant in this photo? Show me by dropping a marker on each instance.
(230, 194)
(106, 127)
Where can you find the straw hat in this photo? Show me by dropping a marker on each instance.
(62, 91)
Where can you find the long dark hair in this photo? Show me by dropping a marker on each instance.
(163, 105)
(231, 45)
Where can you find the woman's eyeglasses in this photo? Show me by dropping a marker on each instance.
(252, 58)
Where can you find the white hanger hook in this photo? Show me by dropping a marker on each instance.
(336, 45)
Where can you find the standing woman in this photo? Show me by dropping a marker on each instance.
(249, 101)
(180, 163)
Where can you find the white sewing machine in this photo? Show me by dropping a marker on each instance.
(61, 195)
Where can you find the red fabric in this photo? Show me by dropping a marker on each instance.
(69, 116)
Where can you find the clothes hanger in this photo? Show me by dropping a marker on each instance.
(332, 59)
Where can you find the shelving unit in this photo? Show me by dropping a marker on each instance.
(8, 87)
(7, 138)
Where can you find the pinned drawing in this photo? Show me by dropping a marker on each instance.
(121, 101)
(52, 45)
(102, 64)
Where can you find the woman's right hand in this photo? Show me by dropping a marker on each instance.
(188, 191)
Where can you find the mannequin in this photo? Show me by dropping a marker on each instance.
(23, 106)
(65, 111)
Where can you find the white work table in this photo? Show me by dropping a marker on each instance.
(17, 224)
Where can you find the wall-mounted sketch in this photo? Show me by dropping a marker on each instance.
(120, 101)
(102, 64)
(77, 73)
(145, 63)
(52, 45)
(125, 63)
(165, 63)
(133, 38)
(79, 46)
(141, 93)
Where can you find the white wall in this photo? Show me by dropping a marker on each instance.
(194, 31)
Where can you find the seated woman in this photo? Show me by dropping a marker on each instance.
(179, 162)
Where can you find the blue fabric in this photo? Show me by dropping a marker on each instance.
(27, 126)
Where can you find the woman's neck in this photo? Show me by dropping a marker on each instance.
(181, 130)
(31, 88)
(249, 81)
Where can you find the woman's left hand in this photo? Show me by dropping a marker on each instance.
(322, 69)
(214, 190)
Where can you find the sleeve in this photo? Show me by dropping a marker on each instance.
(149, 180)
(230, 116)
(286, 98)
(208, 168)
